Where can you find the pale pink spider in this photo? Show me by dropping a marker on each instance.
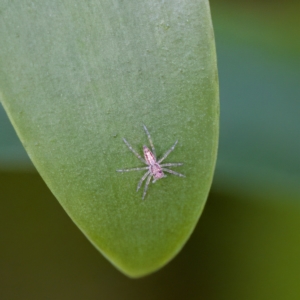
(154, 167)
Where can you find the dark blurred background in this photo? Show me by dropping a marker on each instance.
(247, 242)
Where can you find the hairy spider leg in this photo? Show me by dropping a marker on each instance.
(171, 165)
(142, 179)
(173, 172)
(134, 152)
(146, 186)
(168, 152)
(133, 169)
(150, 140)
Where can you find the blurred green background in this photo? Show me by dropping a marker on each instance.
(247, 242)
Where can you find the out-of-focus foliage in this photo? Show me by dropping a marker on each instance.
(259, 67)
(241, 249)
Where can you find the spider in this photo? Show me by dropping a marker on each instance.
(154, 167)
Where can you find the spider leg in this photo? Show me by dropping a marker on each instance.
(142, 179)
(134, 152)
(133, 169)
(171, 165)
(146, 186)
(168, 152)
(150, 140)
(173, 172)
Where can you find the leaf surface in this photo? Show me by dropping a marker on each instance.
(77, 76)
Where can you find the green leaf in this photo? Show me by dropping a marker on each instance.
(77, 76)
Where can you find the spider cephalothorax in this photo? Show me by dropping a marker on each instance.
(154, 167)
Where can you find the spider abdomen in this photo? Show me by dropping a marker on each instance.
(149, 156)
